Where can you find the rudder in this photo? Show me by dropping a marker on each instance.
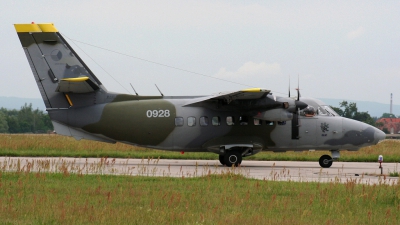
(57, 69)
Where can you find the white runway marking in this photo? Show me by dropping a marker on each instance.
(366, 173)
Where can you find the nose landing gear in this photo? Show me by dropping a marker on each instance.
(326, 161)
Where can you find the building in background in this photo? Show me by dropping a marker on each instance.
(389, 125)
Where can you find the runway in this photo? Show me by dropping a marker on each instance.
(363, 173)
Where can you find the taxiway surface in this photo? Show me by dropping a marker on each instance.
(368, 173)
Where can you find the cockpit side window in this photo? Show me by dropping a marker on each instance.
(316, 108)
(308, 112)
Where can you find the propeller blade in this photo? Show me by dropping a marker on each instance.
(298, 88)
(298, 121)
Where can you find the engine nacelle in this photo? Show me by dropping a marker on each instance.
(291, 105)
(274, 115)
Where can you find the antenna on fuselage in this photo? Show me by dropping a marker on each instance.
(159, 90)
(289, 86)
(134, 89)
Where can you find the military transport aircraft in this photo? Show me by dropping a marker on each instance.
(231, 124)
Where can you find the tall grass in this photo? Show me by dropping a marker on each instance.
(56, 145)
(67, 198)
(55, 191)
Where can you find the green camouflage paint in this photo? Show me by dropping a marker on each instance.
(128, 121)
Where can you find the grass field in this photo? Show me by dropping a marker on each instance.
(71, 196)
(64, 198)
(56, 145)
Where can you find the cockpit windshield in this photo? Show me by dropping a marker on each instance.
(316, 108)
(326, 110)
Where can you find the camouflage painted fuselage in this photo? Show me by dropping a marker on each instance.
(127, 121)
(80, 106)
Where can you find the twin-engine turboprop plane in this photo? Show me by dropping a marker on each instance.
(231, 124)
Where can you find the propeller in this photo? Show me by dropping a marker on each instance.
(276, 108)
(290, 104)
(299, 106)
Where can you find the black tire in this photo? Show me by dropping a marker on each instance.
(221, 159)
(232, 158)
(325, 161)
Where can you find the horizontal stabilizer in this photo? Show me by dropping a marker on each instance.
(76, 85)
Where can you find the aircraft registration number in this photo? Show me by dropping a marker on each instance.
(158, 113)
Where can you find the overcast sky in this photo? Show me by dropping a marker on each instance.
(339, 49)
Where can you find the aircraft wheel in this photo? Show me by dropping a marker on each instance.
(232, 158)
(221, 159)
(325, 161)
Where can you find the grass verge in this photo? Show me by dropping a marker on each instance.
(56, 198)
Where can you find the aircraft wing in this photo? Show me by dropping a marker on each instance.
(245, 94)
(77, 85)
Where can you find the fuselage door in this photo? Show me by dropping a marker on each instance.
(307, 132)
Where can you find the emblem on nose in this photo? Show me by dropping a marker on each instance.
(324, 127)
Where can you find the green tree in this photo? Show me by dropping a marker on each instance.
(26, 120)
(337, 110)
(388, 115)
(3, 123)
(12, 120)
(350, 110)
(385, 130)
(379, 124)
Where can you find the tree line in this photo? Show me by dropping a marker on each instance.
(25, 120)
(350, 110)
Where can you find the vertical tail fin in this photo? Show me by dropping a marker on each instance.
(59, 72)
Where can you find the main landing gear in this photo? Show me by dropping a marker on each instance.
(326, 161)
(230, 158)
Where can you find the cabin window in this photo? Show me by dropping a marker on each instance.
(230, 120)
(257, 122)
(243, 120)
(281, 122)
(216, 121)
(191, 121)
(269, 123)
(179, 121)
(204, 121)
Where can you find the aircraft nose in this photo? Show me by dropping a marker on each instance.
(379, 136)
